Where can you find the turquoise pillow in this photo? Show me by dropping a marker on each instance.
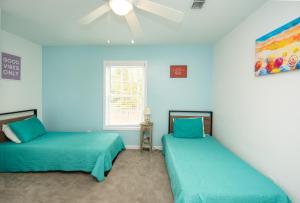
(28, 129)
(188, 128)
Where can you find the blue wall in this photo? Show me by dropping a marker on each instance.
(73, 84)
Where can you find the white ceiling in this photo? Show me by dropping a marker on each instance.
(55, 22)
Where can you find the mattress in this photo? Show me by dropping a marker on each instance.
(203, 170)
(63, 151)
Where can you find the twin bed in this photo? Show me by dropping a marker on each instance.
(59, 151)
(203, 170)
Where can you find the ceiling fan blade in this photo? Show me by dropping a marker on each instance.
(134, 24)
(161, 10)
(95, 14)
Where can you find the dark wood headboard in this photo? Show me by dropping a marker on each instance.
(14, 116)
(207, 115)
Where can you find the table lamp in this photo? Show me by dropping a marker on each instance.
(147, 113)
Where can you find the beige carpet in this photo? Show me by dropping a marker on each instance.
(136, 177)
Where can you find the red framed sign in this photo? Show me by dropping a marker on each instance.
(178, 71)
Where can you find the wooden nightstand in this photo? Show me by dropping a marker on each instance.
(146, 136)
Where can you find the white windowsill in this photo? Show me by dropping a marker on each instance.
(119, 128)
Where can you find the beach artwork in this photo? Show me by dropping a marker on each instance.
(279, 50)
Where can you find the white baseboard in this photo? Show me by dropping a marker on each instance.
(157, 147)
(138, 147)
(132, 147)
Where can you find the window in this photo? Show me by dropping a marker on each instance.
(125, 94)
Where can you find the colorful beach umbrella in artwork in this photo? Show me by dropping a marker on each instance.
(279, 50)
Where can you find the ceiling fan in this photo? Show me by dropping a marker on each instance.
(126, 8)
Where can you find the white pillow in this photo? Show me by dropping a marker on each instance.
(10, 134)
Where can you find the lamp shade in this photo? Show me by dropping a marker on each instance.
(147, 111)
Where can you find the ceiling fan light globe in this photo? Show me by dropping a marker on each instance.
(120, 7)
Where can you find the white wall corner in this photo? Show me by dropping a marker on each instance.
(0, 17)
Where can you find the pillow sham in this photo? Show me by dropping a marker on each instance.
(10, 134)
(188, 128)
(28, 129)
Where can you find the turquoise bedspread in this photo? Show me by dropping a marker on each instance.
(63, 151)
(203, 170)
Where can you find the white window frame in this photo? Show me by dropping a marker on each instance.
(106, 66)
